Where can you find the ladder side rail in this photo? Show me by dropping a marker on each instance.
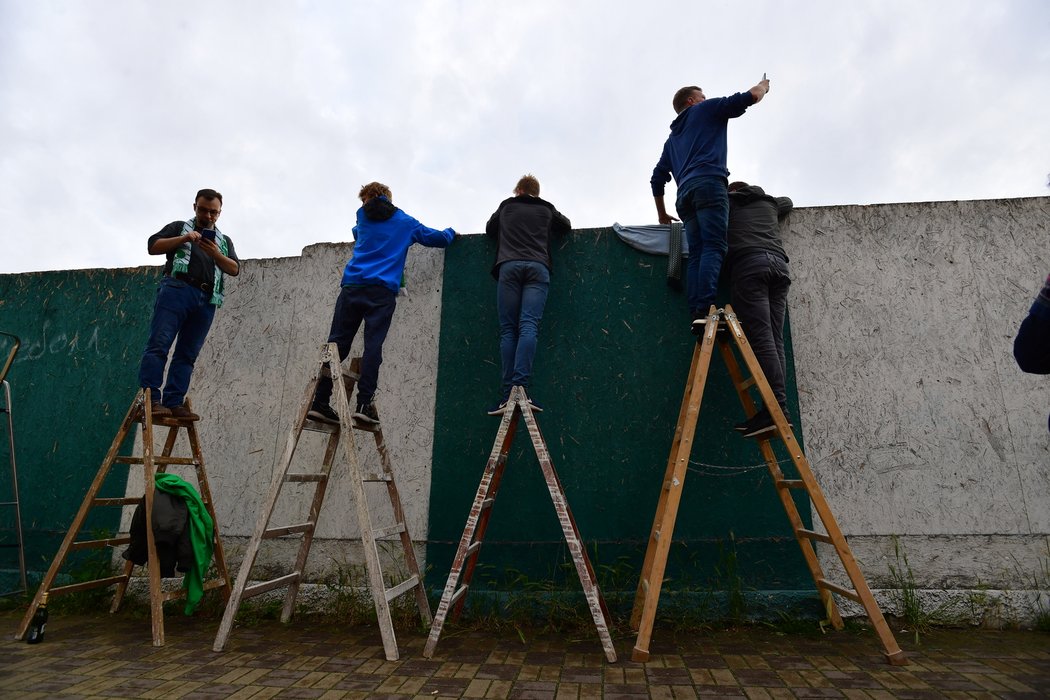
(661, 503)
(14, 481)
(204, 487)
(820, 504)
(665, 533)
(233, 603)
(156, 603)
(477, 520)
(320, 489)
(588, 580)
(78, 520)
(809, 553)
(371, 551)
(411, 563)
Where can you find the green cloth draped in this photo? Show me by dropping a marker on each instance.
(202, 535)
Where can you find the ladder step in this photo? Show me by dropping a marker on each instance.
(457, 595)
(380, 533)
(473, 548)
(116, 501)
(846, 592)
(181, 592)
(790, 484)
(287, 530)
(487, 503)
(156, 460)
(802, 532)
(99, 544)
(319, 427)
(265, 586)
(86, 585)
(371, 478)
(402, 588)
(304, 476)
(365, 427)
(748, 383)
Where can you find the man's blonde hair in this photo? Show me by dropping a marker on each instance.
(374, 189)
(529, 185)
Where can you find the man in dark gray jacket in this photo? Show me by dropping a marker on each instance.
(522, 226)
(759, 279)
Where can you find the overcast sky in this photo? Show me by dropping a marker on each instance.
(114, 112)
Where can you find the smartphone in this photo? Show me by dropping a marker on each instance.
(208, 234)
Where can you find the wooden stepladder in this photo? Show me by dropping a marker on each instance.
(466, 558)
(343, 384)
(140, 410)
(725, 326)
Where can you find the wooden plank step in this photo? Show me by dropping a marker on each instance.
(178, 593)
(402, 588)
(790, 484)
(86, 585)
(156, 460)
(305, 476)
(265, 586)
(472, 548)
(373, 478)
(287, 530)
(116, 501)
(809, 534)
(99, 544)
(457, 595)
(396, 529)
(317, 426)
(846, 592)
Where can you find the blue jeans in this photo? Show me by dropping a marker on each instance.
(760, 282)
(704, 210)
(374, 306)
(180, 311)
(520, 297)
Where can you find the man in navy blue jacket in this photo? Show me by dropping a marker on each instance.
(1032, 344)
(695, 155)
(371, 281)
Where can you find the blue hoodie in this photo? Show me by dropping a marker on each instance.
(382, 237)
(697, 144)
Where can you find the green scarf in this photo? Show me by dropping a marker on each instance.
(181, 260)
(202, 535)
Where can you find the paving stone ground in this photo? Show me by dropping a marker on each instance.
(96, 656)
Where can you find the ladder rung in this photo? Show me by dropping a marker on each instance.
(803, 532)
(748, 383)
(473, 548)
(457, 595)
(369, 478)
(790, 484)
(265, 586)
(156, 460)
(401, 588)
(86, 585)
(116, 501)
(487, 503)
(181, 592)
(287, 530)
(319, 427)
(9, 503)
(382, 532)
(303, 476)
(99, 544)
(365, 427)
(828, 585)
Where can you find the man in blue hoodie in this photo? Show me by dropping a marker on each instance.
(695, 155)
(370, 285)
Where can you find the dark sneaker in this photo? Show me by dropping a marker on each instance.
(184, 413)
(497, 409)
(762, 416)
(697, 326)
(323, 413)
(367, 413)
(762, 424)
(159, 410)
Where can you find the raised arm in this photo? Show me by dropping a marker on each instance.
(759, 91)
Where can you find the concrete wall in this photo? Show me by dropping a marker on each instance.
(917, 419)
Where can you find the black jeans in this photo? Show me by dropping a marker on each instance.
(374, 306)
(760, 282)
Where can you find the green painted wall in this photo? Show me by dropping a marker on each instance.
(82, 335)
(611, 367)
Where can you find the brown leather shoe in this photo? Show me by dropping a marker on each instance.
(183, 413)
(159, 410)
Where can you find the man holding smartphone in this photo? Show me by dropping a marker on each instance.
(199, 257)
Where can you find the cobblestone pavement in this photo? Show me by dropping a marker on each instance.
(102, 656)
